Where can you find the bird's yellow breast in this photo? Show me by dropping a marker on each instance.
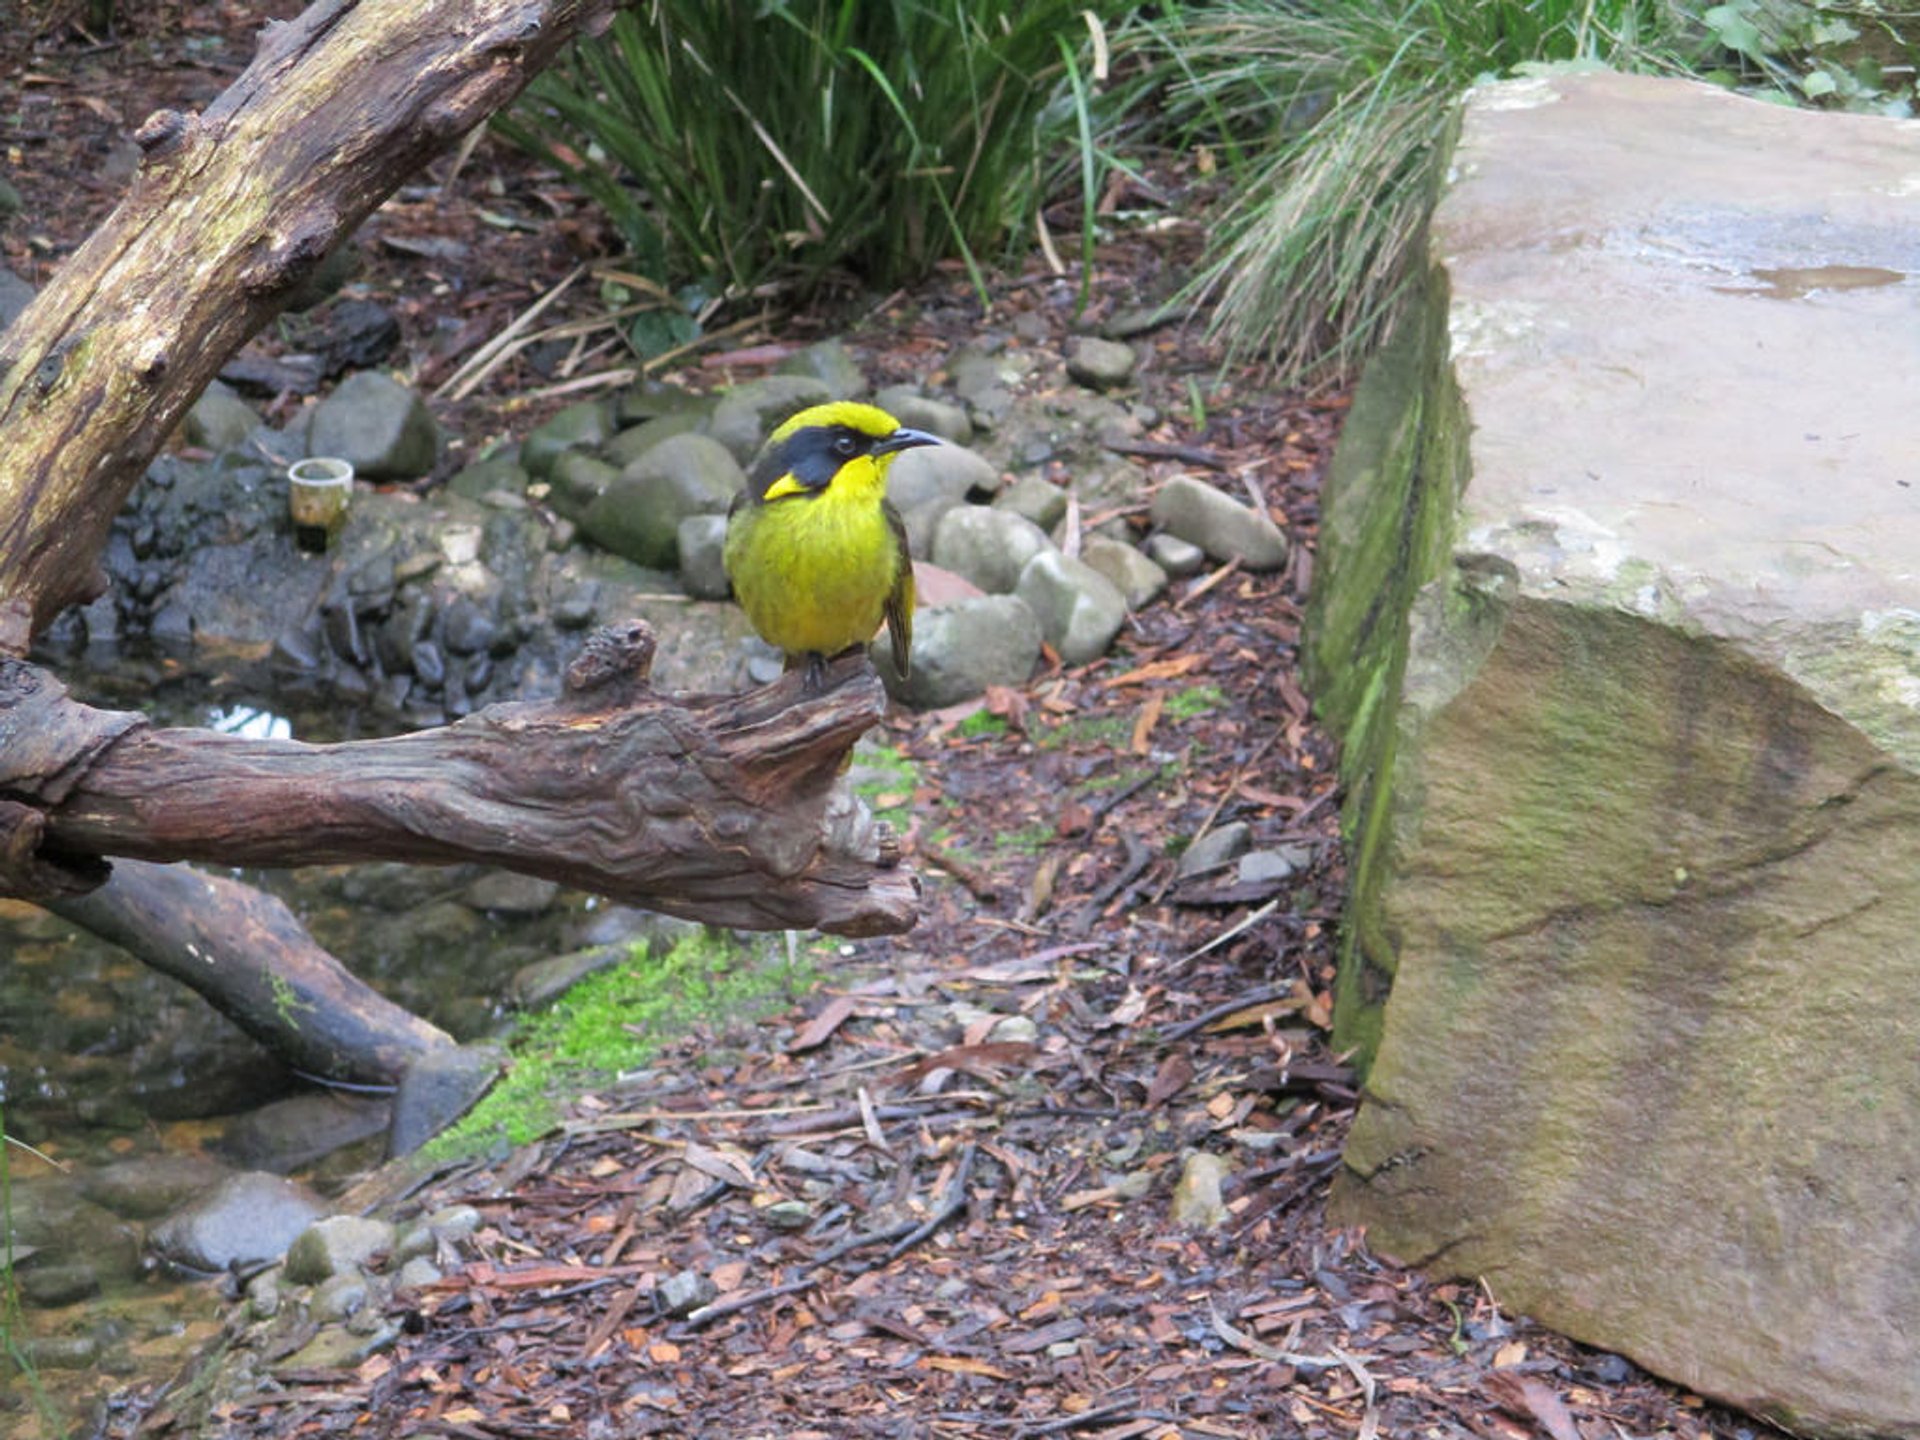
(813, 571)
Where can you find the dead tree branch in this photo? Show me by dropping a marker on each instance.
(727, 809)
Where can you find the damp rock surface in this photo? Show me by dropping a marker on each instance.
(1632, 503)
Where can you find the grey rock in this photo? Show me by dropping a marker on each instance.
(245, 1219)
(1219, 524)
(924, 412)
(639, 515)
(1263, 867)
(1220, 846)
(576, 479)
(15, 295)
(417, 1273)
(63, 1352)
(150, 1185)
(987, 545)
(1079, 609)
(961, 649)
(430, 664)
(1106, 482)
(1137, 578)
(946, 472)
(1179, 558)
(788, 1214)
(501, 471)
(748, 413)
(263, 1295)
(544, 982)
(1139, 319)
(683, 1292)
(503, 892)
(703, 569)
(470, 624)
(1041, 501)
(1197, 1200)
(379, 425)
(339, 1348)
(454, 1222)
(336, 1245)
(923, 520)
(985, 381)
(577, 606)
(219, 419)
(586, 424)
(337, 1296)
(630, 444)
(437, 1089)
(50, 1286)
(1100, 363)
(833, 365)
(651, 400)
(296, 1131)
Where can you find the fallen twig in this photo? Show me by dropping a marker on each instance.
(1159, 450)
(951, 1204)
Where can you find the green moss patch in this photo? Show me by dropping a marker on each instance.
(619, 1020)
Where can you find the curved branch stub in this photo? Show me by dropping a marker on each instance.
(611, 668)
(164, 134)
(29, 872)
(284, 257)
(48, 744)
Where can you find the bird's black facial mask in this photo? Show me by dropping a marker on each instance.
(812, 457)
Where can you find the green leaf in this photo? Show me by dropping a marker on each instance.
(1816, 83)
(655, 332)
(1734, 29)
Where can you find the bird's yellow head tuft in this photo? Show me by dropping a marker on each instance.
(843, 445)
(868, 420)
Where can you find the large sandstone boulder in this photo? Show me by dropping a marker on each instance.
(1620, 620)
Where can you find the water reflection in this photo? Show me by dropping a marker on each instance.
(111, 1070)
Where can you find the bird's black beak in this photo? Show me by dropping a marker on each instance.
(904, 439)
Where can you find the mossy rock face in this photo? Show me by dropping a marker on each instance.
(1619, 621)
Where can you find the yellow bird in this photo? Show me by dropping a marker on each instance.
(816, 554)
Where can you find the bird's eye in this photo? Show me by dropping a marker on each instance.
(846, 447)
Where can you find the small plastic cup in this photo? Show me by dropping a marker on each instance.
(318, 492)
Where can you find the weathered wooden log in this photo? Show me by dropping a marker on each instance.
(728, 809)
(253, 960)
(229, 211)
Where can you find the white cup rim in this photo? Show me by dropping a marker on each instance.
(331, 471)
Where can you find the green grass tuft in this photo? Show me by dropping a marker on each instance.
(798, 138)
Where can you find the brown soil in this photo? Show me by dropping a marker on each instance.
(937, 1197)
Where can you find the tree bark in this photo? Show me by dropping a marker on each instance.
(213, 934)
(228, 212)
(727, 809)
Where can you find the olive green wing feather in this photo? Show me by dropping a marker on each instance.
(900, 598)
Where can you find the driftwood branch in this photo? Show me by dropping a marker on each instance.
(727, 809)
(253, 960)
(229, 212)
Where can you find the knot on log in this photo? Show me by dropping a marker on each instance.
(31, 871)
(613, 664)
(283, 256)
(164, 134)
(463, 107)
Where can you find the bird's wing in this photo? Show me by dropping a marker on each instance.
(900, 598)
